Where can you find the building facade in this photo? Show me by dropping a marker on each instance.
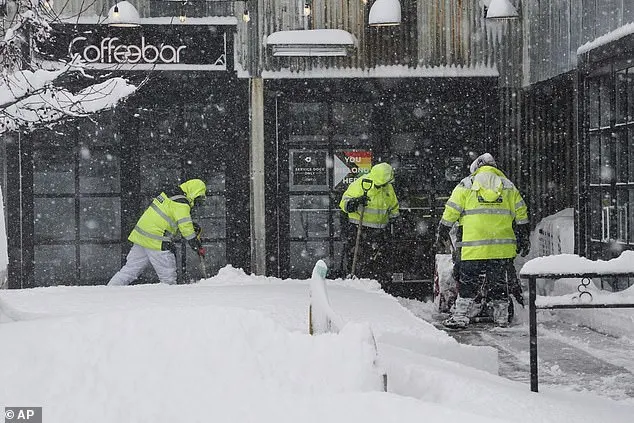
(279, 128)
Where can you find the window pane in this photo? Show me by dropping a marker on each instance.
(607, 166)
(596, 211)
(53, 172)
(621, 156)
(630, 213)
(100, 219)
(99, 262)
(605, 101)
(54, 219)
(55, 265)
(308, 122)
(212, 217)
(593, 103)
(215, 179)
(621, 215)
(100, 130)
(621, 96)
(595, 158)
(159, 172)
(630, 94)
(98, 172)
(309, 216)
(352, 119)
(351, 124)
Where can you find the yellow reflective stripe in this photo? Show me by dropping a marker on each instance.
(486, 242)
(178, 197)
(487, 211)
(520, 204)
(151, 236)
(522, 221)
(188, 237)
(163, 215)
(184, 220)
(454, 206)
(446, 222)
(369, 210)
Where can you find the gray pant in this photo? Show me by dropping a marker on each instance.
(163, 262)
(496, 277)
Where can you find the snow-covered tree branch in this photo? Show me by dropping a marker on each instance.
(34, 92)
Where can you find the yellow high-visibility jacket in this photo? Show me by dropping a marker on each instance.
(486, 204)
(167, 215)
(382, 202)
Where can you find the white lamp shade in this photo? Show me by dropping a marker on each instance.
(126, 16)
(384, 13)
(501, 9)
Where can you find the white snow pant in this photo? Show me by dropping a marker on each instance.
(163, 262)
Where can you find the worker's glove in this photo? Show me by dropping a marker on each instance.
(354, 203)
(523, 240)
(523, 246)
(443, 239)
(201, 252)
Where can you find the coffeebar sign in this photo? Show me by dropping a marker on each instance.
(160, 47)
(112, 50)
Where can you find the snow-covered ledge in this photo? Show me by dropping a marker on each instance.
(607, 38)
(572, 264)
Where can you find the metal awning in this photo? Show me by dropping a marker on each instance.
(311, 42)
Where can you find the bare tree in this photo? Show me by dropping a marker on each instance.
(33, 92)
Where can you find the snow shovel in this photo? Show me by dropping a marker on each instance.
(203, 268)
(366, 184)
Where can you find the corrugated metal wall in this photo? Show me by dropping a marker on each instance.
(432, 33)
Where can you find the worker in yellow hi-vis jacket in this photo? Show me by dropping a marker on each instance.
(493, 219)
(154, 234)
(370, 204)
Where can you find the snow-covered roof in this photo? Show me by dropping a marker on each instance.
(607, 38)
(166, 20)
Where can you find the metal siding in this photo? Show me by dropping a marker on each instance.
(557, 28)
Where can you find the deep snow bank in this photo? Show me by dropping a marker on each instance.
(159, 362)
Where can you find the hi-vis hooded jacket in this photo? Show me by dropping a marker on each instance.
(382, 201)
(486, 204)
(160, 222)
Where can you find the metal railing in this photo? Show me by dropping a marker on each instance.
(584, 299)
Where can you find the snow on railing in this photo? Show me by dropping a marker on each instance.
(323, 319)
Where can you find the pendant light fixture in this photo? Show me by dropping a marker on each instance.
(501, 10)
(385, 13)
(123, 14)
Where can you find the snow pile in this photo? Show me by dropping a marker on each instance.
(166, 364)
(223, 352)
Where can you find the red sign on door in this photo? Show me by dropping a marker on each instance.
(349, 165)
